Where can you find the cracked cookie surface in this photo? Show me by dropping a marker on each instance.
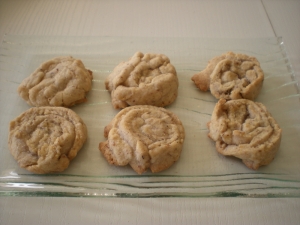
(145, 79)
(45, 139)
(145, 137)
(61, 81)
(246, 130)
(231, 76)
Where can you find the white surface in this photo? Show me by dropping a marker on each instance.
(148, 211)
(206, 18)
(218, 18)
(285, 18)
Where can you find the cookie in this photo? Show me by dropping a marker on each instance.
(231, 76)
(46, 139)
(145, 79)
(145, 137)
(62, 81)
(246, 130)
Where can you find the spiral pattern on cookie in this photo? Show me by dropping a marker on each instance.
(143, 137)
(246, 130)
(45, 139)
(61, 81)
(145, 79)
(236, 79)
(231, 76)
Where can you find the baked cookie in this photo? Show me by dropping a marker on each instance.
(246, 130)
(145, 137)
(231, 76)
(62, 81)
(148, 79)
(45, 139)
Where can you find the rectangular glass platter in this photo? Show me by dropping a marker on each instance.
(200, 171)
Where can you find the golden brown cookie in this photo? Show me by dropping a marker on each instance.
(62, 81)
(45, 139)
(145, 79)
(202, 79)
(145, 137)
(246, 130)
(231, 76)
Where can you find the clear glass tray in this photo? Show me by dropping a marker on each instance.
(200, 171)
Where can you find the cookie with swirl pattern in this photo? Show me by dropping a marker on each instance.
(231, 76)
(246, 130)
(45, 139)
(61, 81)
(145, 79)
(144, 137)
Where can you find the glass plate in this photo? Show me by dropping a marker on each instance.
(200, 171)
